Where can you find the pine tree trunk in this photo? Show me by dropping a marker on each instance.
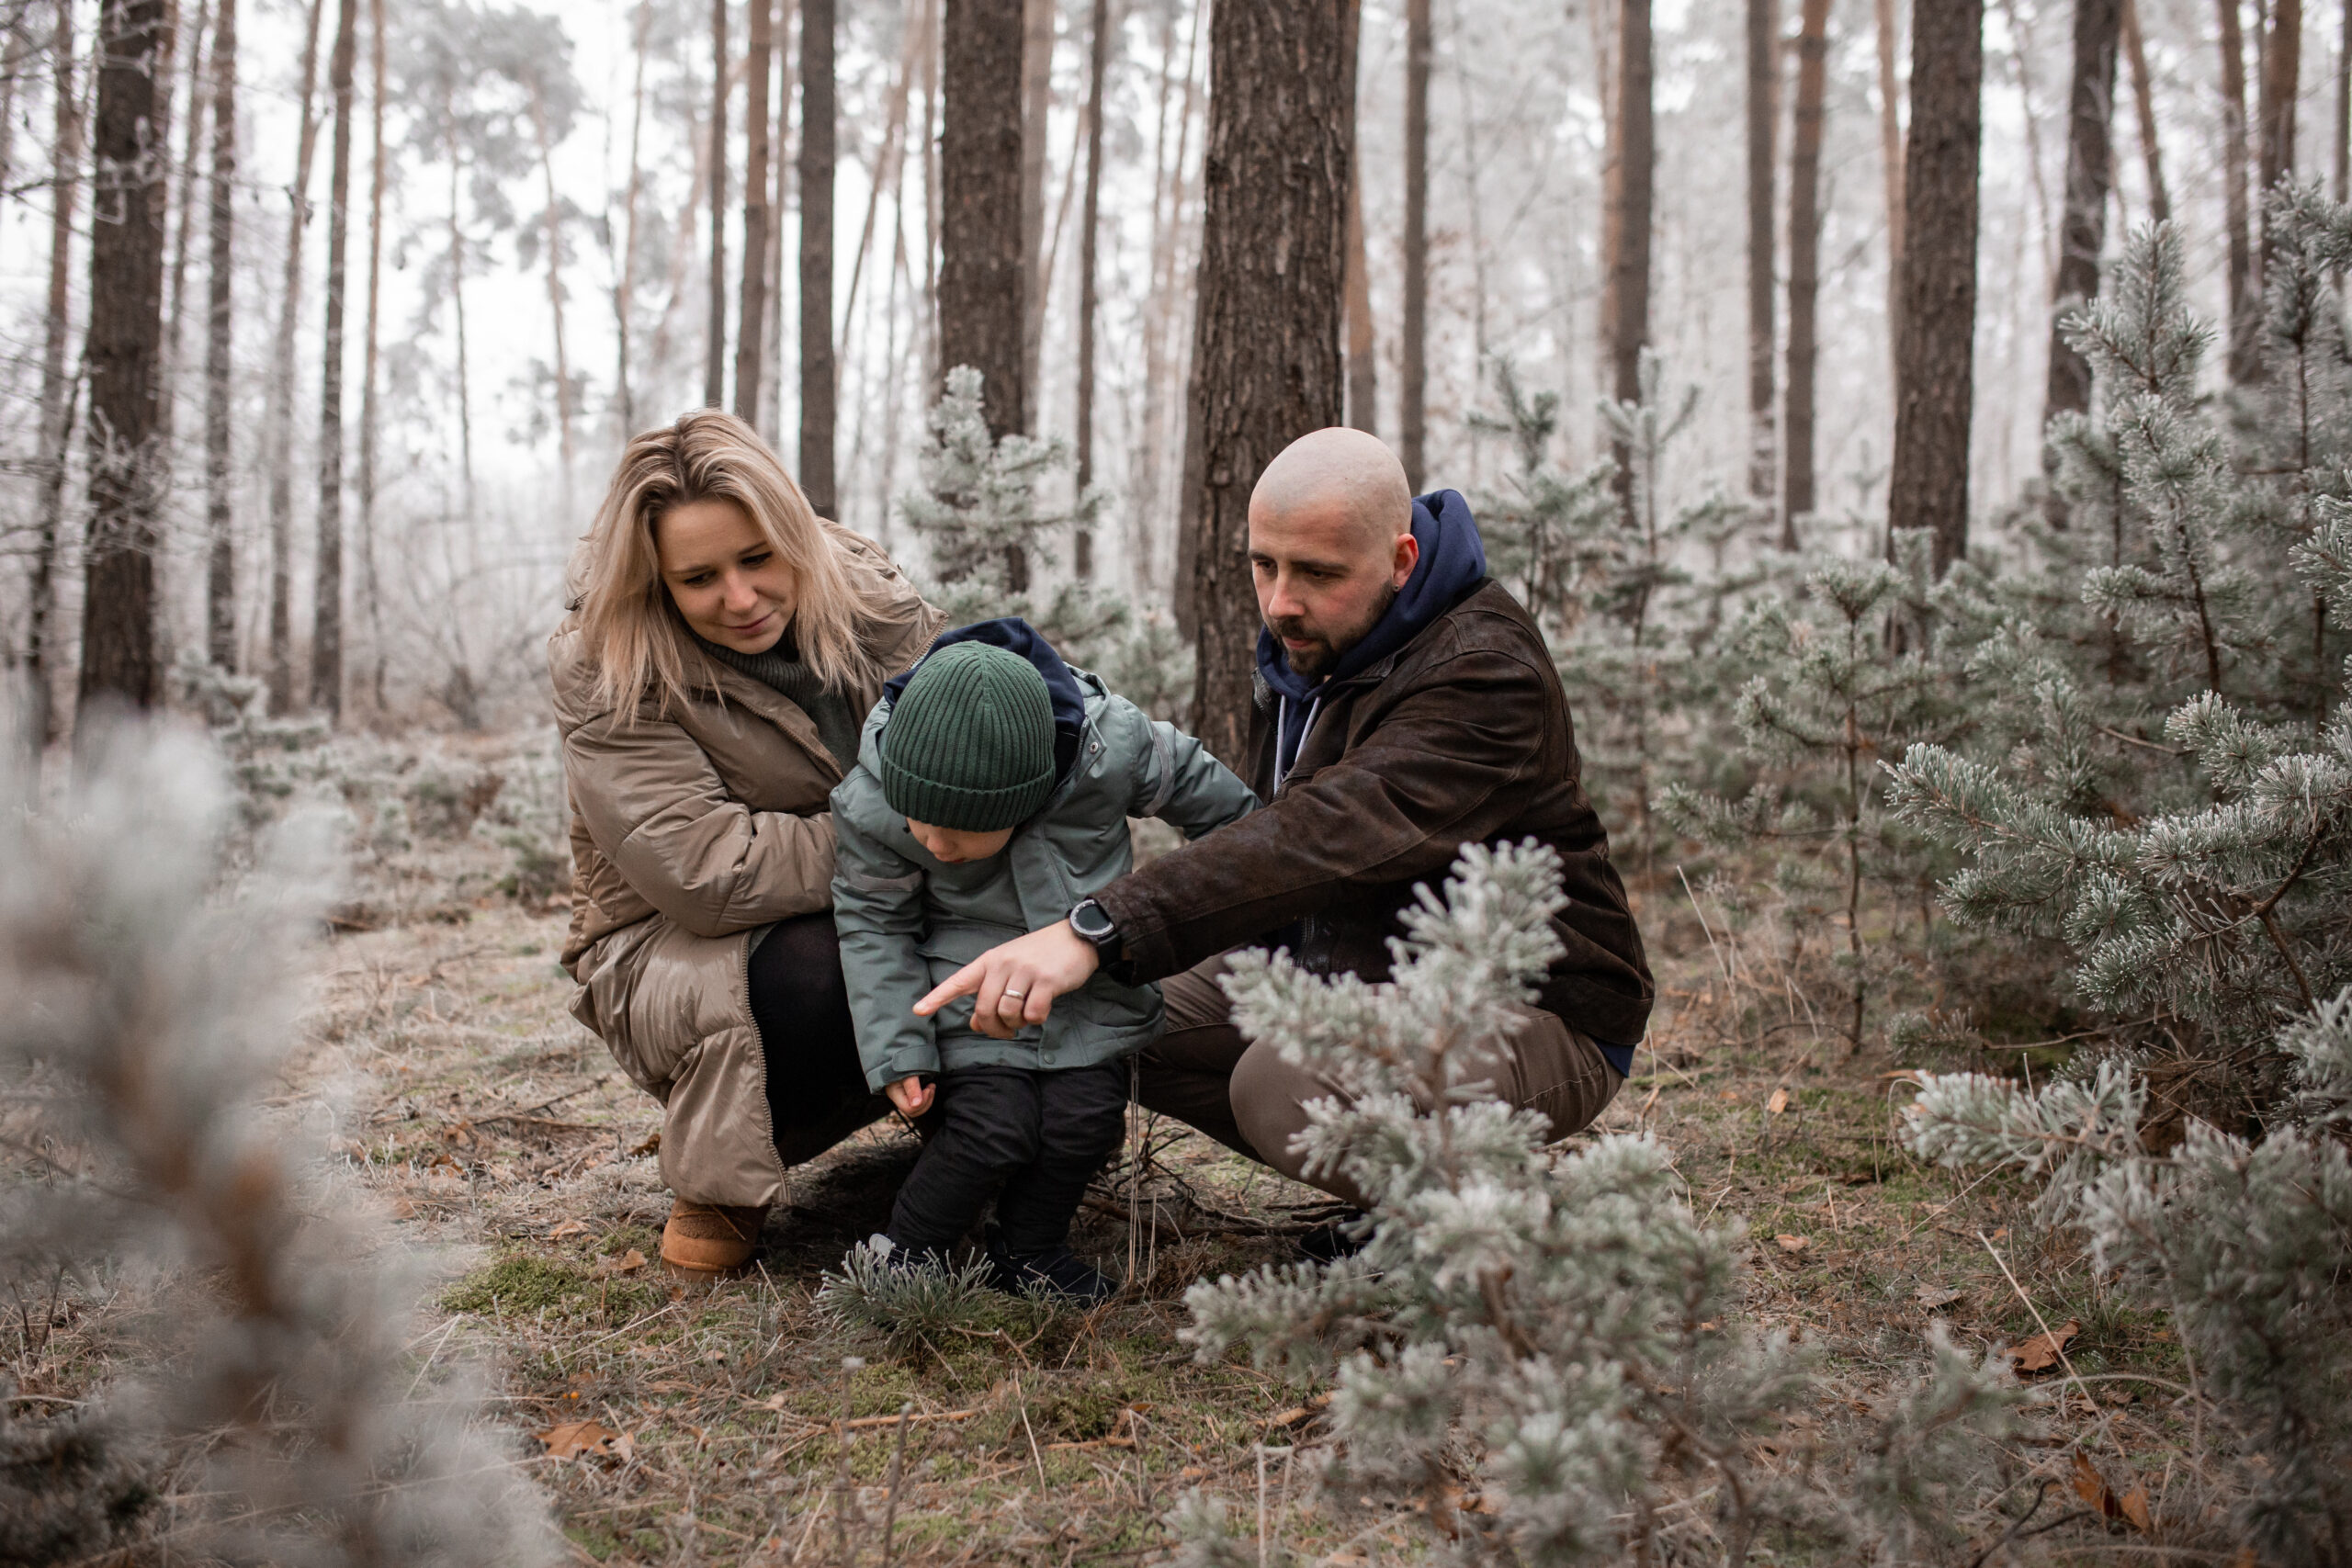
(2135, 52)
(982, 279)
(457, 314)
(1363, 369)
(183, 225)
(1266, 339)
(326, 609)
(219, 514)
(552, 236)
(1804, 264)
(57, 388)
(1625, 223)
(750, 332)
(122, 350)
(1935, 359)
(1036, 101)
(714, 374)
(2282, 60)
(1891, 161)
(1159, 326)
(1763, 109)
(2340, 125)
(781, 157)
(1412, 388)
(15, 52)
(625, 274)
(2244, 298)
(817, 374)
(1097, 67)
(278, 415)
(377, 178)
(2090, 170)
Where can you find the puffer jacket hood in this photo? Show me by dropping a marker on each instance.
(1452, 562)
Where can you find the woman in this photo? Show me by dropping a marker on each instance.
(724, 647)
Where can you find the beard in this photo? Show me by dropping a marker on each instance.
(1326, 650)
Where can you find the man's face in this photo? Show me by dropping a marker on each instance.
(1325, 576)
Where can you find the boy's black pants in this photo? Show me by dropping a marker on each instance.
(1031, 1140)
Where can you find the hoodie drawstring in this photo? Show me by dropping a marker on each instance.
(1281, 723)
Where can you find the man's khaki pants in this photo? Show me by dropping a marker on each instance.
(1249, 1099)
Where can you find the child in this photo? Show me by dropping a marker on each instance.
(991, 793)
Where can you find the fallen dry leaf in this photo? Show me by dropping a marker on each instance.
(628, 1262)
(2041, 1352)
(1778, 1102)
(2092, 1488)
(652, 1144)
(1934, 1296)
(569, 1227)
(574, 1440)
(1792, 1243)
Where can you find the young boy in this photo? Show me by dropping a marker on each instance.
(991, 795)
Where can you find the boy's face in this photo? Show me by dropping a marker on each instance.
(952, 848)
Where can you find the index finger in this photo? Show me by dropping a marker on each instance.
(962, 983)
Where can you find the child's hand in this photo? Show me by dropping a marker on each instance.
(911, 1095)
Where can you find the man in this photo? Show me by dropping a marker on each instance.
(1408, 706)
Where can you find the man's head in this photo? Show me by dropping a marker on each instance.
(1330, 543)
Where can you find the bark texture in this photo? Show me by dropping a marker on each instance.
(57, 388)
(2282, 62)
(371, 587)
(1804, 264)
(277, 413)
(326, 611)
(2245, 302)
(714, 372)
(2090, 172)
(1891, 161)
(1625, 220)
(750, 328)
(1763, 111)
(818, 381)
(1412, 417)
(220, 506)
(1364, 368)
(1266, 338)
(122, 351)
(1098, 68)
(1036, 104)
(983, 285)
(1935, 357)
(2144, 100)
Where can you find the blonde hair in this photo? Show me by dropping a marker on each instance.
(637, 639)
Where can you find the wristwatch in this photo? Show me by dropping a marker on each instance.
(1092, 921)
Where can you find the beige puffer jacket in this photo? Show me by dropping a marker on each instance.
(691, 831)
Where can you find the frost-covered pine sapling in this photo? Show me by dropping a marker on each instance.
(1551, 532)
(2247, 1246)
(979, 511)
(1549, 1325)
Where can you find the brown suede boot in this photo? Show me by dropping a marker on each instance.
(704, 1241)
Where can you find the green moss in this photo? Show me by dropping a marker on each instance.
(516, 1284)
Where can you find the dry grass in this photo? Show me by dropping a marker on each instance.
(505, 1143)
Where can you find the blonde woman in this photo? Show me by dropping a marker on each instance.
(723, 648)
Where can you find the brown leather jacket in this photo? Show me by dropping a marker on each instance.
(1463, 736)
(693, 830)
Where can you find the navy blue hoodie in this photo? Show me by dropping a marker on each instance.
(1016, 635)
(1453, 561)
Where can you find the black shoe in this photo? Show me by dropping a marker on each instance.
(1342, 1237)
(1055, 1271)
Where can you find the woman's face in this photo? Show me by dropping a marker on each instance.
(724, 576)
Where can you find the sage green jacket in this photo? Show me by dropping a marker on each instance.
(908, 921)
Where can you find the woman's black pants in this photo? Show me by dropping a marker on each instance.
(817, 1093)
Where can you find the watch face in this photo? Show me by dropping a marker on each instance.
(1089, 922)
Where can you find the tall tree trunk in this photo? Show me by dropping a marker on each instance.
(817, 383)
(2244, 299)
(1891, 162)
(2282, 63)
(122, 349)
(184, 225)
(552, 236)
(782, 156)
(457, 314)
(1763, 111)
(625, 274)
(15, 53)
(1364, 370)
(983, 283)
(57, 388)
(751, 330)
(2090, 170)
(220, 516)
(1412, 388)
(278, 415)
(713, 375)
(377, 178)
(1804, 263)
(2135, 53)
(2340, 125)
(1097, 67)
(326, 608)
(1266, 339)
(1935, 361)
(1160, 318)
(1626, 221)
(1037, 105)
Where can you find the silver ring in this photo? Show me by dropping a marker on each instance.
(1011, 992)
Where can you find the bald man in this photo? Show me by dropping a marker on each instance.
(1406, 707)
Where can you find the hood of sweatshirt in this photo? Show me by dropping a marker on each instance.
(1453, 561)
(1018, 636)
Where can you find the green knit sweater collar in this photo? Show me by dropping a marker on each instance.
(780, 669)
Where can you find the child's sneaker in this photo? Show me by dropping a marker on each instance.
(1057, 1270)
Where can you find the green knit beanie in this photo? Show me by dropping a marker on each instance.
(969, 746)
